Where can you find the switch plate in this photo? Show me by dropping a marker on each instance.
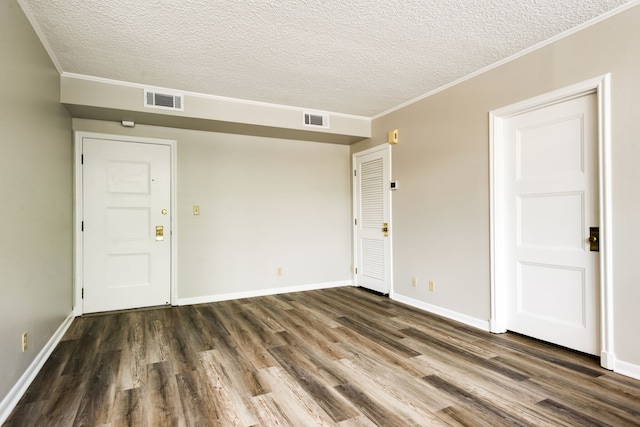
(432, 286)
(414, 281)
(279, 271)
(24, 342)
(196, 210)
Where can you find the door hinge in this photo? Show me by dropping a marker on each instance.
(355, 221)
(82, 296)
(82, 226)
(356, 270)
(82, 159)
(355, 173)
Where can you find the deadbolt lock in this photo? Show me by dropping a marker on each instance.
(385, 229)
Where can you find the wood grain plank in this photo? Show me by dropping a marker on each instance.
(196, 401)
(158, 343)
(99, 394)
(243, 337)
(488, 365)
(291, 400)
(129, 408)
(380, 338)
(337, 408)
(574, 416)
(163, 407)
(26, 414)
(480, 407)
(330, 357)
(88, 345)
(226, 386)
(370, 373)
(40, 388)
(377, 413)
(134, 352)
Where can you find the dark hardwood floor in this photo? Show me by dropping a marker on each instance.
(341, 357)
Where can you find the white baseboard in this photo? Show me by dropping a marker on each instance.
(627, 369)
(261, 293)
(449, 314)
(608, 360)
(15, 394)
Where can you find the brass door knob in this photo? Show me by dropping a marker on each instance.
(593, 239)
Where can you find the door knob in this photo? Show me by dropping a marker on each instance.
(594, 239)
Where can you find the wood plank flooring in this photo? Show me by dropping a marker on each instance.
(335, 357)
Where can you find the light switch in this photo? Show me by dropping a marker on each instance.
(196, 210)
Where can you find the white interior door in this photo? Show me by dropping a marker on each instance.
(372, 209)
(126, 206)
(552, 174)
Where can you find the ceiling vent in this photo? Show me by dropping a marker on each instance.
(316, 120)
(167, 101)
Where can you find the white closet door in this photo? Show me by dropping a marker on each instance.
(373, 245)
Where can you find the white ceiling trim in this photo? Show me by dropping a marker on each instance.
(533, 48)
(40, 34)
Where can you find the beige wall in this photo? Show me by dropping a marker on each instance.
(441, 211)
(265, 203)
(35, 194)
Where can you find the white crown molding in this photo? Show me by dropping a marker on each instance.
(45, 43)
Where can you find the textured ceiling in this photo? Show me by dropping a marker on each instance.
(353, 57)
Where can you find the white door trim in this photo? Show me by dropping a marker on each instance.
(78, 253)
(601, 86)
(382, 147)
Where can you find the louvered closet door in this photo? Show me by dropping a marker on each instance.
(373, 247)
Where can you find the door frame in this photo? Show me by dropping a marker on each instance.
(601, 86)
(78, 252)
(387, 149)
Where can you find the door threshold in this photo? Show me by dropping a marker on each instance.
(128, 310)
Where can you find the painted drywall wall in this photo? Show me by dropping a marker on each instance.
(441, 211)
(35, 193)
(265, 204)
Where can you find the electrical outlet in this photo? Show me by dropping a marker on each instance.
(432, 286)
(24, 342)
(414, 281)
(279, 271)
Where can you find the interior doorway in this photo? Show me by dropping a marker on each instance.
(372, 222)
(548, 187)
(125, 196)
